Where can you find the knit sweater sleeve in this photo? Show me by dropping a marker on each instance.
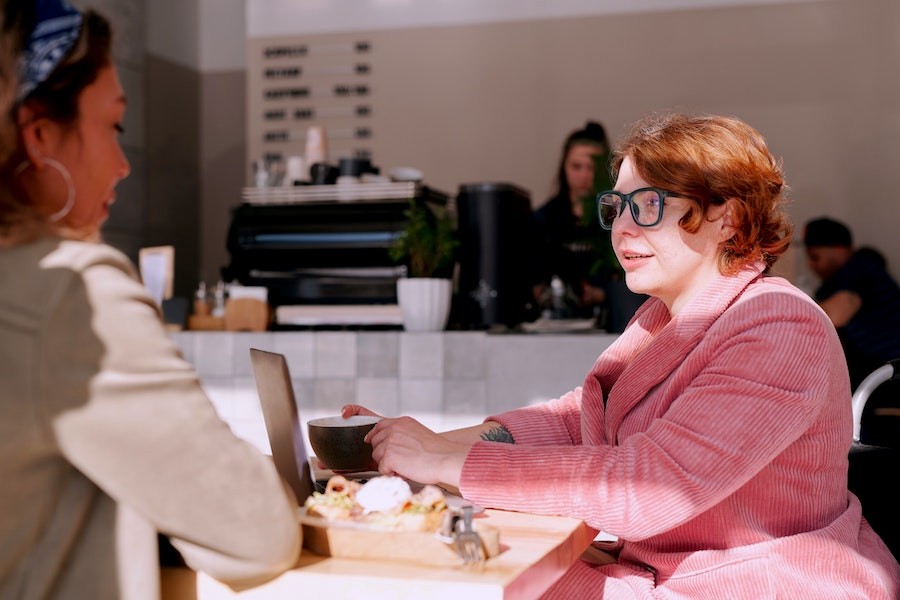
(557, 422)
(129, 413)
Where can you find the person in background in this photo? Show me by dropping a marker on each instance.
(863, 301)
(571, 246)
(858, 295)
(107, 439)
(711, 438)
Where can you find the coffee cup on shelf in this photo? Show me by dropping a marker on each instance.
(316, 145)
(323, 174)
(354, 166)
(295, 171)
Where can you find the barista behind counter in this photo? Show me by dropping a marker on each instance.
(576, 273)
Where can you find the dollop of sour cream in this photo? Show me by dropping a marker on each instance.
(384, 494)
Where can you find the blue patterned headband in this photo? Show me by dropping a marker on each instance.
(56, 28)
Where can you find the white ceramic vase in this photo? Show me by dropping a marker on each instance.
(424, 302)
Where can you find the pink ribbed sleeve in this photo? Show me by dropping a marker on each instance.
(557, 422)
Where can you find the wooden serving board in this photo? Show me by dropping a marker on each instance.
(354, 540)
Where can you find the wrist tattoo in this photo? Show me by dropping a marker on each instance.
(498, 434)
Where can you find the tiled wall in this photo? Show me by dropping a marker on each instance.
(447, 379)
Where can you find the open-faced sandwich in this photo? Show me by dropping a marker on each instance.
(382, 502)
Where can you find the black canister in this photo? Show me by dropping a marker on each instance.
(496, 244)
(354, 166)
(323, 174)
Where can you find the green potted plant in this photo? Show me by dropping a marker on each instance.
(427, 246)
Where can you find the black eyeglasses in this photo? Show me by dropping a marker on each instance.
(646, 206)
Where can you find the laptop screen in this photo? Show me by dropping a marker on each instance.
(282, 418)
(285, 432)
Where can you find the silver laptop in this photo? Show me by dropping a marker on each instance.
(285, 431)
(282, 417)
(284, 427)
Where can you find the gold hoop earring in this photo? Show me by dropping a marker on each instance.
(70, 186)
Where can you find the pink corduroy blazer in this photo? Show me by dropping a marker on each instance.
(714, 445)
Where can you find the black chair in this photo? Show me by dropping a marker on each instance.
(873, 467)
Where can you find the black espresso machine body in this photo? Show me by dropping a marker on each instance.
(322, 245)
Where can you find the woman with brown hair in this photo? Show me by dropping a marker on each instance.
(106, 436)
(570, 246)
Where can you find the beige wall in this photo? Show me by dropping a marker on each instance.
(493, 102)
(172, 211)
(223, 113)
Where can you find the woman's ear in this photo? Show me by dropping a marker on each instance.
(38, 134)
(728, 226)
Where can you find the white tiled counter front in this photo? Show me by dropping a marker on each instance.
(447, 380)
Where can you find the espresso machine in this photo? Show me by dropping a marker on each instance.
(322, 245)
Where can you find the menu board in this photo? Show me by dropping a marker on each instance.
(294, 85)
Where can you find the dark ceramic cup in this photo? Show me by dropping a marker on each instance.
(354, 166)
(339, 443)
(322, 174)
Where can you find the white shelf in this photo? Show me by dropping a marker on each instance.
(353, 192)
(350, 314)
